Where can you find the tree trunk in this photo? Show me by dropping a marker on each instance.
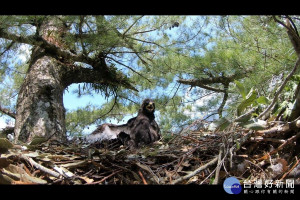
(295, 113)
(40, 109)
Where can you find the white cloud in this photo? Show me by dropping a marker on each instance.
(4, 123)
(25, 52)
(194, 113)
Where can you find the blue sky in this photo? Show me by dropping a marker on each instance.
(72, 101)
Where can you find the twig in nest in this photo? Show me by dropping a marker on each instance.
(213, 161)
(141, 175)
(193, 139)
(216, 180)
(40, 167)
(295, 165)
(97, 182)
(288, 141)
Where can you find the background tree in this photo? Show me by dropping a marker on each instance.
(249, 51)
(195, 67)
(93, 50)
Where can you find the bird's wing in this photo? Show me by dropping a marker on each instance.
(107, 132)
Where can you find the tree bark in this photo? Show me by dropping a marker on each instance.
(40, 109)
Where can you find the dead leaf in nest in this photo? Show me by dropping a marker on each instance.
(4, 179)
(36, 140)
(164, 147)
(86, 179)
(4, 162)
(75, 164)
(5, 143)
(186, 164)
(61, 170)
(171, 174)
(18, 174)
(21, 183)
(32, 154)
(62, 157)
(185, 148)
(192, 180)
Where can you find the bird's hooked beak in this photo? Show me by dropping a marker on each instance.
(150, 106)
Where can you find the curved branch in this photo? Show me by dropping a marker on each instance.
(8, 48)
(220, 109)
(129, 68)
(8, 112)
(132, 25)
(196, 82)
(280, 89)
(212, 162)
(37, 40)
(292, 33)
(76, 74)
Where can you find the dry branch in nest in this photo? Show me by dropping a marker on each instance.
(198, 157)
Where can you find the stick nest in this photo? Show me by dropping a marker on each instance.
(191, 157)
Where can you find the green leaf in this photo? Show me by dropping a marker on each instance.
(238, 144)
(219, 124)
(240, 88)
(5, 143)
(262, 100)
(38, 140)
(256, 124)
(250, 98)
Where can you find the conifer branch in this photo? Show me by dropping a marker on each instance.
(263, 114)
(130, 69)
(196, 82)
(132, 25)
(7, 112)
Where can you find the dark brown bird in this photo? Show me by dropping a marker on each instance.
(138, 131)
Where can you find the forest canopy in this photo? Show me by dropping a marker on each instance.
(225, 91)
(194, 67)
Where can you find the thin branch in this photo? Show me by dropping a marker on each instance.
(8, 48)
(80, 35)
(208, 116)
(40, 167)
(293, 167)
(225, 97)
(39, 41)
(173, 95)
(115, 102)
(216, 180)
(280, 89)
(132, 25)
(129, 68)
(294, 26)
(213, 161)
(144, 41)
(292, 33)
(8, 112)
(141, 32)
(98, 182)
(198, 83)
